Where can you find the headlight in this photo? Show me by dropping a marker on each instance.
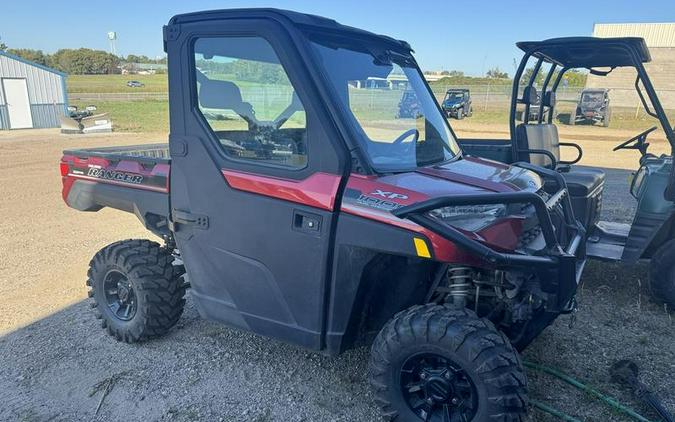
(469, 217)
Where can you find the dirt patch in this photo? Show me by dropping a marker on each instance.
(54, 354)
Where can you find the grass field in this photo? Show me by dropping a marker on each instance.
(118, 83)
(115, 83)
(151, 115)
(147, 116)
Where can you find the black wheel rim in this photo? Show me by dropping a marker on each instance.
(437, 389)
(120, 295)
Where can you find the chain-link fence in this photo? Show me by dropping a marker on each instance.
(623, 101)
(267, 100)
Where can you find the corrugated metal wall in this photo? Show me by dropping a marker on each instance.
(655, 34)
(45, 92)
(660, 38)
(4, 118)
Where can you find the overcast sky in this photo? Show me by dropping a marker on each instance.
(470, 36)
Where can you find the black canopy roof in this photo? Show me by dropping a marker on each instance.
(302, 20)
(588, 52)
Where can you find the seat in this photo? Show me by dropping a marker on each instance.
(225, 95)
(539, 144)
(544, 137)
(581, 181)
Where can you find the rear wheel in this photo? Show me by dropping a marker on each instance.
(137, 292)
(434, 363)
(606, 118)
(662, 274)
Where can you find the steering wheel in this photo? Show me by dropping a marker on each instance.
(639, 140)
(405, 135)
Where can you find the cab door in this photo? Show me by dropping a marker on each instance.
(255, 175)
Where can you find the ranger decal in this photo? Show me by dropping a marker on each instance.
(117, 176)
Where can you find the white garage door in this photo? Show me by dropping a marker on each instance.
(18, 105)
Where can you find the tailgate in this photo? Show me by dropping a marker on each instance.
(132, 179)
(139, 166)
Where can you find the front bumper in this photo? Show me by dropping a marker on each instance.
(558, 266)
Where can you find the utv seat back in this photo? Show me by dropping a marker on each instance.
(585, 184)
(224, 95)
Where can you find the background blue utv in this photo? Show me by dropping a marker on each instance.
(457, 103)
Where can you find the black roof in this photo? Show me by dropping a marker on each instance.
(458, 89)
(588, 52)
(302, 20)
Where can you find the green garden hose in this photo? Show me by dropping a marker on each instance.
(590, 390)
(553, 411)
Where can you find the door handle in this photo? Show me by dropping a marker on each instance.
(307, 222)
(187, 218)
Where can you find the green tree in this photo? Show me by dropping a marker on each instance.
(246, 70)
(3, 46)
(496, 73)
(84, 61)
(574, 77)
(35, 56)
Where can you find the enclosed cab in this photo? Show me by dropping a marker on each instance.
(457, 103)
(300, 204)
(593, 107)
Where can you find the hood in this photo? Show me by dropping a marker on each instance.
(374, 197)
(465, 176)
(468, 175)
(453, 101)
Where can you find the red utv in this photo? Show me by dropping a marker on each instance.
(296, 204)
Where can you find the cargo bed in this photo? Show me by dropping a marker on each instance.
(151, 152)
(132, 178)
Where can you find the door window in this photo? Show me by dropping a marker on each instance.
(248, 101)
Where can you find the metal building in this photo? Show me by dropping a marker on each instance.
(660, 38)
(31, 95)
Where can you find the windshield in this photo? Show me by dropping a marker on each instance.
(592, 98)
(454, 96)
(399, 124)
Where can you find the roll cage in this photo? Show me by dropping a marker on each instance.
(600, 56)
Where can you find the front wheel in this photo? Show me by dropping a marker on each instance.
(662, 274)
(607, 118)
(460, 114)
(434, 363)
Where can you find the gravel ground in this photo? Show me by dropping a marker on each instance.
(56, 363)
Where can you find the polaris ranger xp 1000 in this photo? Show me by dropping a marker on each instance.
(294, 203)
